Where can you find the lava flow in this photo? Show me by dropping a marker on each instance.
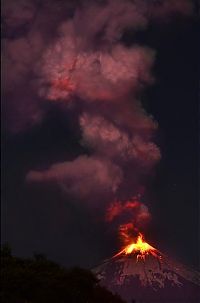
(140, 248)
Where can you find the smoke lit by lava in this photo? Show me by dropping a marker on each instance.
(97, 80)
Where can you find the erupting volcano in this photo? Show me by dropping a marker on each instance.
(77, 80)
(140, 248)
(141, 272)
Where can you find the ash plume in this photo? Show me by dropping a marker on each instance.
(73, 53)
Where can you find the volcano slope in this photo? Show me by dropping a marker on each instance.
(153, 279)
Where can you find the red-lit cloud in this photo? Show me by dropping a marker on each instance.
(74, 53)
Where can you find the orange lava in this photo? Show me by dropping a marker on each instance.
(140, 248)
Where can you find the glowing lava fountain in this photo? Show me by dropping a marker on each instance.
(140, 248)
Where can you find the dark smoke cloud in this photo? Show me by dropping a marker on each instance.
(110, 141)
(34, 29)
(85, 177)
(28, 27)
(93, 75)
(73, 53)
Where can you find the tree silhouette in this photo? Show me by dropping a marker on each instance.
(39, 280)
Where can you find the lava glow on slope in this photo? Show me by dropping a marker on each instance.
(140, 248)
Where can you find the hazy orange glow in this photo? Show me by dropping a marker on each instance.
(117, 208)
(140, 248)
(63, 84)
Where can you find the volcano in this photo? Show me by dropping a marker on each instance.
(148, 276)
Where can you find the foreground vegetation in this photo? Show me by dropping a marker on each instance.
(39, 280)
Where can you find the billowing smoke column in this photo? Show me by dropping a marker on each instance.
(86, 64)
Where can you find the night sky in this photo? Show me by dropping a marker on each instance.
(40, 218)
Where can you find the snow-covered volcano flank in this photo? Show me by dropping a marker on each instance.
(151, 279)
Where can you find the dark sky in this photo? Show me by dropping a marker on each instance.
(174, 103)
(38, 218)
